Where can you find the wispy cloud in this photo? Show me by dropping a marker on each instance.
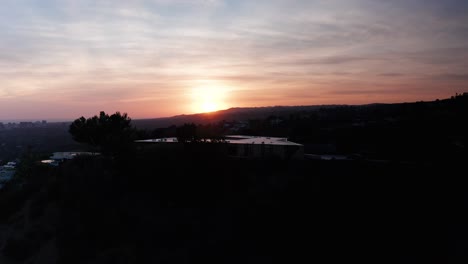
(146, 55)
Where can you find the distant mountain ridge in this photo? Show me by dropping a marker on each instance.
(235, 113)
(248, 113)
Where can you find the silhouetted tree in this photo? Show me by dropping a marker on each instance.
(187, 133)
(110, 134)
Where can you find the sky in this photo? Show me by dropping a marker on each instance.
(62, 59)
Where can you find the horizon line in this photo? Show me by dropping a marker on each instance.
(63, 120)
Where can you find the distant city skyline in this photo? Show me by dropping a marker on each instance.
(28, 120)
(63, 59)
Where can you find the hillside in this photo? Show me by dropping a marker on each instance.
(231, 114)
(251, 113)
(417, 131)
(174, 208)
(181, 205)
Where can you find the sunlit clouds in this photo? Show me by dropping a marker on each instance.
(63, 59)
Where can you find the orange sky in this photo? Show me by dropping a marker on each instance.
(65, 59)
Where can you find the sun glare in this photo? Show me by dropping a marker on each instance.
(208, 98)
(209, 107)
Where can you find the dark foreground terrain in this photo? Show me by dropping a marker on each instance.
(400, 197)
(179, 208)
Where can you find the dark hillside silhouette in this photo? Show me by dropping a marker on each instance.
(415, 132)
(237, 113)
(253, 113)
(402, 198)
(177, 208)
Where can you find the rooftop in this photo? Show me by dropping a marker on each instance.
(233, 139)
(242, 139)
(69, 155)
(159, 140)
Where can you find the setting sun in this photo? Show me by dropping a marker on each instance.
(208, 98)
(209, 107)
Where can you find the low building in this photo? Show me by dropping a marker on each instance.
(10, 165)
(61, 156)
(242, 146)
(50, 162)
(58, 157)
(263, 147)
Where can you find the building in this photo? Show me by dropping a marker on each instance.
(58, 157)
(61, 156)
(241, 146)
(263, 147)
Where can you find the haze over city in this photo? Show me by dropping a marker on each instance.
(65, 59)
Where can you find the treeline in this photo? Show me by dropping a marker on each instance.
(418, 131)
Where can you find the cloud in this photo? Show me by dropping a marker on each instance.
(451, 77)
(391, 74)
(124, 52)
